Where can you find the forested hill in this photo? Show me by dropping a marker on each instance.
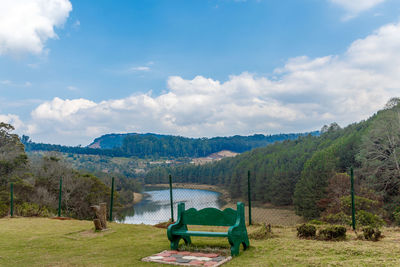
(310, 172)
(155, 145)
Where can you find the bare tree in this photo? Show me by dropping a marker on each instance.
(380, 151)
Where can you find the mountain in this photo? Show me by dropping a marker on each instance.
(155, 145)
(108, 141)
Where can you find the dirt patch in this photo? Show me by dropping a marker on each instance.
(62, 218)
(164, 225)
(91, 233)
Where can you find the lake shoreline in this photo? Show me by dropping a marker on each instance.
(225, 196)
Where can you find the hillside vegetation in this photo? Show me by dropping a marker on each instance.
(156, 146)
(36, 183)
(311, 171)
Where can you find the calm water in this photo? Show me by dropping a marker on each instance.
(155, 206)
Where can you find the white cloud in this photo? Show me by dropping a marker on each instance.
(15, 84)
(306, 94)
(140, 68)
(72, 88)
(354, 7)
(26, 25)
(12, 119)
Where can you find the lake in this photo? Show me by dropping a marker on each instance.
(155, 206)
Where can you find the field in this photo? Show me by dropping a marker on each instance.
(48, 242)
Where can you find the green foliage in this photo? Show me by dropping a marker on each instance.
(338, 218)
(311, 187)
(396, 216)
(365, 218)
(306, 231)
(316, 222)
(362, 203)
(3, 209)
(334, 233)
(156, 145)
(371, 233)
(31, 210)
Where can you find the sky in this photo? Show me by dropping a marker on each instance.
(72, 70)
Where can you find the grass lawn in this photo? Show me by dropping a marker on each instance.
(47, 242)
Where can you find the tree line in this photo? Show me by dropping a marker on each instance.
(156, 146)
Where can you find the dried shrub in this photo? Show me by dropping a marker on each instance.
(334, 232)
(264, 232)
(371, 233)
(306, 231)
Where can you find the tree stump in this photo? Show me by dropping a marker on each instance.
(97, 225)
(100, 221)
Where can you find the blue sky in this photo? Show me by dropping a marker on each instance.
(73, 70)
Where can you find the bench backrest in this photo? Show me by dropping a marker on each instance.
(207, 216)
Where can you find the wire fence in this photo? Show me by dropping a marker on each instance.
(159, 205)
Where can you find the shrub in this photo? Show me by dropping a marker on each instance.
(306, 231)
(396, 217)
(334, 232)
(264, 232)
(3, 210)
(338, 218)
(371, 233)
(365, 218)
(362, 203)
(32, 210)
(316, 222)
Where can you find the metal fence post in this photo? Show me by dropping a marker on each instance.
(112, 199)
(249, 195)
(170, 197)
(353, 209)
(59, 198)
(12, 199)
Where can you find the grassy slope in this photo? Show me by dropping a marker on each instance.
(46, 242)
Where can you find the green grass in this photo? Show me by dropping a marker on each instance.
(47, 242)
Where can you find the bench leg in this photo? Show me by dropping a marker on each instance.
(187, 240)
(175, 243)
(246, 243)
(235, 249)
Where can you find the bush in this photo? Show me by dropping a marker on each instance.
(361, 202)
(396, 217)
(365, 218)
(264, 232)
(306, 231)
(334, 232)
(3, 210)
(32, 210)
(316, 222)
(338, 218)
(371, 233)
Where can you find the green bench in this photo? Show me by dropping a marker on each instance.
(237, 233)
